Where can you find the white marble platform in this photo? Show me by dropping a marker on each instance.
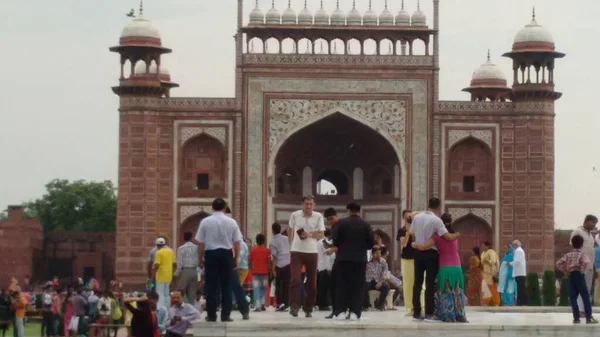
(488, 322)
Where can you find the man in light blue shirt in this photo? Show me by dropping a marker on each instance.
(181, 316)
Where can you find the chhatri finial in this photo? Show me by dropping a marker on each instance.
(354, 4)
(305, 4)
(141, 7)
(273, 4)
(386, 4)
(418, 5)
(338, 4)
(256, 3)
(533, 16)
(321, 4)
(402, 4)
(489, 56)
(289, 3)
(370, 3)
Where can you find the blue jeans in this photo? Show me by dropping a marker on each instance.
(164, 294)
(577, 287)
(259, 287)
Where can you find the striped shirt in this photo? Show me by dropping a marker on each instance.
(187, 257)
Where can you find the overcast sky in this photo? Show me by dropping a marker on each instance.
(59, 118)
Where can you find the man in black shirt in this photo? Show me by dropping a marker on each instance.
(352, 237)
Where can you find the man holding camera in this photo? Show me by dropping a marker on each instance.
(306, 227)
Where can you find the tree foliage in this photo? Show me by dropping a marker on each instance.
(532, 286)
(76, 206)
(549, 288)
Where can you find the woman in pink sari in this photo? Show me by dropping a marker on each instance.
(68, 312)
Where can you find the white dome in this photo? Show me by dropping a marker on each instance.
(257, 17)
(273, 17)
(533, 32)
(140, 69)
(338, 17)
(370, 17)
(321, 16)
(418, 19)
(402, 18)
(305, 17)
(140, 27)
(488, 71)
(354, 17)
(289, 16)
(386, 18)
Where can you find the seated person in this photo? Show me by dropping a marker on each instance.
(394, 282)
(377, 278)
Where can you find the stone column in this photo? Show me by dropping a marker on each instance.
(357, 179)
(307, 181)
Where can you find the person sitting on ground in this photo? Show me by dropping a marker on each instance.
(377, 270)
(576, 264)
(161, 312)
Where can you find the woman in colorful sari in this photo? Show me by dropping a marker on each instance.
(475, 278)
(449, 295)
(507, 286)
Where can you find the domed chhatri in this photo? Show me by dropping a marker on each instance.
(257, 17)
(488, 74)
(289, 16)
(370, 17)
(402, 18)
(140, 32)
(533, 37)
(338, 17)
(305, 17)
(386, 18)
(354, 18)
(321, 16)
(273, 16)
(418, 18)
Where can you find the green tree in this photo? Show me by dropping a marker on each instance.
(533, 289)
(76, 206)
(549, 288)
(564, 292)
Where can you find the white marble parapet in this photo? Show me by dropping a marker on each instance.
(519, 322)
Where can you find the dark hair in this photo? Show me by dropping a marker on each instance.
(383, 250)
(187, 236)
(180, 292)
(329, 212)
(487, 244)
(434, 203)
(276, 228)
(477, 251)
(219, 205)
(260, 239)
(308, 197)
(590, 217)
(353, 207)
(577, 241)
(375, 249)
(327, 232)
(406, 211)
(446, 219)
(227, 210)
(153, 295)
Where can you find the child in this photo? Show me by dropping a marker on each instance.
(259, 259)
(575, 264)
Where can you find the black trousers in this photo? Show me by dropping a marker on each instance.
(324, 297)
(350, 283)
(218, 270)
(47, 328)
(521, 291)
(238, 293)
(282, 285)
(383, 293)
(425, 262)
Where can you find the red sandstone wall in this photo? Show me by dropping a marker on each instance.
(527, 186)
(21, 241)
(145, 191)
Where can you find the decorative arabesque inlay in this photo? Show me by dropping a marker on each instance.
(387, 116)
(178, 103)
(455, 136)
(353, 60)
(483, 213)
(219, 133)
(189, 210)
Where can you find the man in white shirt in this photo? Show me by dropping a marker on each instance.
(519, 271)
(217, 236)
(424, 226)
(585, 231)
(305, 228)
(324, 268)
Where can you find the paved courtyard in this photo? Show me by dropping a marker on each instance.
(495, 323)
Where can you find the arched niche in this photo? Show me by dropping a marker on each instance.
(191, 225)
(470, 171)
(288, 182)
(334, 177)
(473, 231)
(380, 182)
(202, 168)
